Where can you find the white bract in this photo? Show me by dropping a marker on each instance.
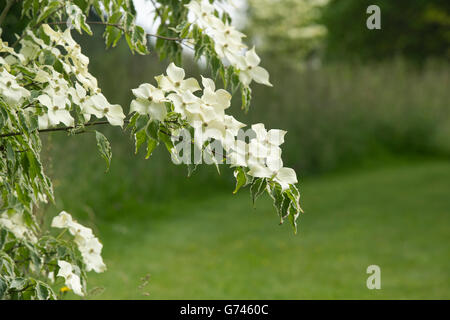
(10, 90)
(265, 157)
(202, 12)
(71, 279)
(89, 246)
(228, 43)
(16, 224)
(56, 111)
(174, 81)
(250, 69)
(149, 100)
(100, 107)
(79, 97)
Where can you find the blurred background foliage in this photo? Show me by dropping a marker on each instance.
(351, 99)
(417, 30)
(301, 31)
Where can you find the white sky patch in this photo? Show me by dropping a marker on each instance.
(145, 13)
(145, 17)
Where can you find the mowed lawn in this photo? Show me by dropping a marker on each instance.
(221, 248)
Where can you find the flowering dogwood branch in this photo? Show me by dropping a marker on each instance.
(46, 86)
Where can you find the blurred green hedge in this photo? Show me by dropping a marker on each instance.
(416, 29)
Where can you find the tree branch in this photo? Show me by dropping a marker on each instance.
(89, 124)
(118, 26)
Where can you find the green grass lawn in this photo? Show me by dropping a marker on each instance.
(222, 248)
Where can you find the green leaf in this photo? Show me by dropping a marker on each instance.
(34, 124)
(34, 255)
(166, 138)
(191, 168)
(278, 198)
(47, 11)
(141, 138)
(3, 235)
(246, 93)
(104, 148)
(153, 129)
(3, 287)
(185, 31)
(43, 291)
(141, 122)
(6, 265)
(18, 284)
(112, 34)
(151, 145)
(241, 179)
(132, 122)
(293, 215)
(257, 188)
(215, 66)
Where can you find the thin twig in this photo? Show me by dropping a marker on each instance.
(89, 124)
(118, 26)
(156, 9)
(12, 134)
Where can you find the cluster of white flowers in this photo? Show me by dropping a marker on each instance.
(58, 95)
(71, 279)
(206, 114)
(10, 90)
(228, 43)
(12, 93)
(88, 245)
(264, 158)
(16, 224)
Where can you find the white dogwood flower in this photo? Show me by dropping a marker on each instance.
(79, 97)
(82, 234)
(186, 104)
(91, 253)
(227, 41)
(72, 280)
(63, 220)
(250, 69)
(219, 100)
(56, 111)
(237, 154)
(232, 125)
(208, 111)
(100, 107)
(203, 12)
(274, 170)
(73, 62)
(285, 177)
(10, 90)
(174, 81)
(149, 100)
(29, 50)
(273, 137)
(16, 224)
